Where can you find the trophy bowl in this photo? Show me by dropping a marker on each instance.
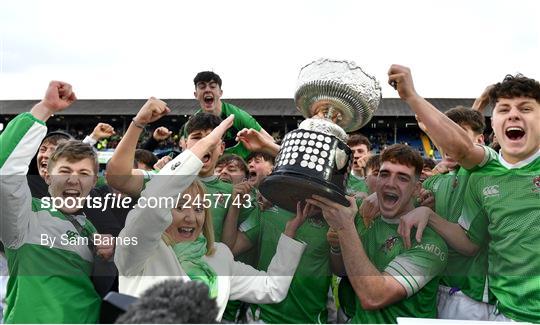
(335, 97)
(341, 86)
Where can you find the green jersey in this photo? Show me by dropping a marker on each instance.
(416, 269)
(49, 280)
(356, 184)
(502, 206)
(307, 296)
(469, 274)
(220, 194)
(249, 257)
(242, 120)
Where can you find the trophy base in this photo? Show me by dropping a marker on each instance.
(286, 190)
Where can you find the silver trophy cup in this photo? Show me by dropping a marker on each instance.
(336, 97)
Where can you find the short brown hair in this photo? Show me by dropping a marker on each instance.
(374, 162)
(55, 139)
(229, 158)
(145, 157)
(404, 155)
(357, 139)
(74, 151)
(465, 116)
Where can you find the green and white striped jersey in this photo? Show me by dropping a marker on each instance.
(49, 281)
(417, 269)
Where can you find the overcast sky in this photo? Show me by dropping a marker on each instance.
(137, 49)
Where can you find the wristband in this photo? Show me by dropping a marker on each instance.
(140, 126)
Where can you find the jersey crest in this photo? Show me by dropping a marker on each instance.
(316, 221)
(388, 244)
(536, 182)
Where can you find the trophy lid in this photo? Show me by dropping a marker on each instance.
(339, 86)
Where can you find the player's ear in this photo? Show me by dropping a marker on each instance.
(222, 148)
(417, 187)
(480, 139)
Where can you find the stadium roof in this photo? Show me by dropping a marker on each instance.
(256, 107)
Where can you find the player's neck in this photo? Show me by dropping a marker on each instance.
(407, 209)
(207, 176)
(520, 160)
(218, 109)
(395, 218)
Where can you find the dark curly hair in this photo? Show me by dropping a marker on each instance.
(172, 302)
(515, 86)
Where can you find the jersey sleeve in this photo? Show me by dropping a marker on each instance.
(251, 227)
(415, 267)
(489, 155)
(473, 218)
(242, 119)
(18, 144)
(148, 224)
(429, 183)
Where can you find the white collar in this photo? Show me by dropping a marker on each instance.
(518, 164)
(394, 221)
(358, 177)
(208, 178)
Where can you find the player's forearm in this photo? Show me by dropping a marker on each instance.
(273, 149)
(453, 234)
(242, 244)
(41, 112)
(368, 283)
(443, 131)
(230, 228)
(121, 163)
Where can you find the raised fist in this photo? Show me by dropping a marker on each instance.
(102, 131)
(400, 78)
(152, 111)
(161, 133)
(58, 96)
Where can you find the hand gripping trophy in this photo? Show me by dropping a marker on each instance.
(335, 97)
